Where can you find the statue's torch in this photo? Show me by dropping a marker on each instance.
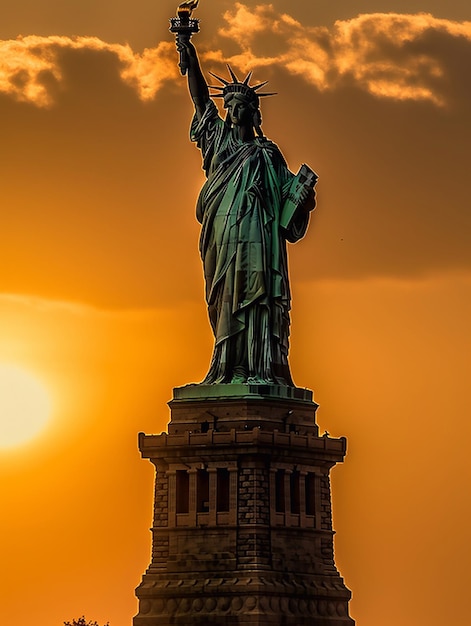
(184, 26)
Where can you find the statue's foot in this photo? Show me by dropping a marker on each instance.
(256, 380)
(238, 379)
(239, 376)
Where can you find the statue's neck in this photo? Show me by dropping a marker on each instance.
(244, 133)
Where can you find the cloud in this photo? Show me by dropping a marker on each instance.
(44, 304)
(389, 55)
(112, 181)
(30, 65)
(79, 309)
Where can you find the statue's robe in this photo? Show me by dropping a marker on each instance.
(243, 248)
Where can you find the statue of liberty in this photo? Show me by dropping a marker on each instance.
(249, 207)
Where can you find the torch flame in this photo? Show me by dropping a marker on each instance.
(185, 9)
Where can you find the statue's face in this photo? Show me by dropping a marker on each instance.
(240, 112)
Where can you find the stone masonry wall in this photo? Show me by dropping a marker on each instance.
(326, 507)
(253, 545)
(160, 545)
(161, 498)
(327, 543)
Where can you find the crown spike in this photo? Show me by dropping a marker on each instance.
(234, 77)
(236, 87)
(247, 78)
(221, 80)
(259, 86)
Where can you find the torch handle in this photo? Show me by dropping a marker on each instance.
(184, 63)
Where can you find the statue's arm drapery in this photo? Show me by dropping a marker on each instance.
(208, 132)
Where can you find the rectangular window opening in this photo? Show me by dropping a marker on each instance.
(294, 489)
(280, 491)
(182, 492)
(222, 490)
(310, 494)
(202, 491)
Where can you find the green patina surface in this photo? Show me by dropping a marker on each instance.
(249, 207)
(202, 391)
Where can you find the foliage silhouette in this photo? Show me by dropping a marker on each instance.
(81, 621)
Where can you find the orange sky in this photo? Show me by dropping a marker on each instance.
(102, 292)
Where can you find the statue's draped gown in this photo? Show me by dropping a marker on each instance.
(243, 248)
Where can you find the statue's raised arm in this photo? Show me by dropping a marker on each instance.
(184, 26)
(249, 207)
(196, 83)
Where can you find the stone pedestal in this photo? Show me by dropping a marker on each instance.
(242, 531)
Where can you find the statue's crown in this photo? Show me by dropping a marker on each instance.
(236, 86)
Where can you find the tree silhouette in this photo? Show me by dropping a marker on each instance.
(81, 621)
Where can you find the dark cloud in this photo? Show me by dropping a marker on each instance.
(393, 190)
(100, 183)
(31, 58)
(87, 209)
(388, 55)
(402, 57)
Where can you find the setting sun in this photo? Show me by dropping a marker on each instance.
(25, 406)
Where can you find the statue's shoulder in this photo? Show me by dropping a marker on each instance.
(264, 142)
(210, 115)
(267, 144)
(210, 124)
(269, 147)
